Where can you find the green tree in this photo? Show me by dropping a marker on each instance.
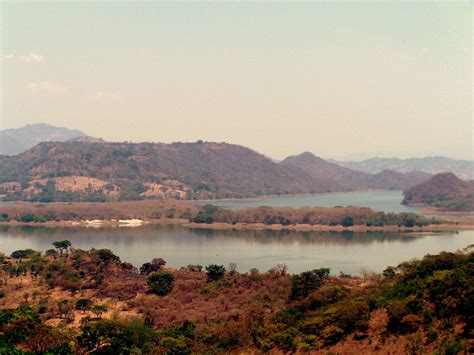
(409, 220)
(306, 282)
(62, 246)
(215, 272)
(15, 326)
(83, 304)
(347, 221)
(107, 255)
(110, 336)
(28, 217)
(47, 193)
(51, 253)
(160, 283)
(155, 265)
(24, 253)
(99, 309)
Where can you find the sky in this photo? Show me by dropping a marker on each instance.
(339, 79)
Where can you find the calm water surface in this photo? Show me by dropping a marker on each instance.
(301, 251)
(387, 201)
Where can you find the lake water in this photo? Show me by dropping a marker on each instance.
(387, 201)
(347, 252)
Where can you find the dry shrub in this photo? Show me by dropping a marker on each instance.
(229, 298)
(412, 322)
(43, 339)
(124, 287)
(370, 275)
(378, 322)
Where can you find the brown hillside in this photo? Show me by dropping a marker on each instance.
(439, 189)
(201, 170)
(204, 169)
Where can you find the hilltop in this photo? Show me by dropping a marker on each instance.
(444, 190)
(17, 140)
(127, 170)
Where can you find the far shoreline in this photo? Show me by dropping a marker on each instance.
(236, 199)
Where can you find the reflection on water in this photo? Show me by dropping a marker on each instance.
(341, 251)
(387, 201)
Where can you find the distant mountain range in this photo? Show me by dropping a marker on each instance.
(17, 140)
(433, 165)
(190, 170)
(443, 190)
(344, 179)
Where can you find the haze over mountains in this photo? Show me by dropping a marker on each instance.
(77, 167)
(344, 179)
(17, 140)
(184, 170)
(433, 165)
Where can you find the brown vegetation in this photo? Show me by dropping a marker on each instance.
(64, 302)
(445, 191)
(201, 170)
(209, 216)
(82, 211)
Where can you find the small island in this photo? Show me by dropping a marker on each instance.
(189, 215)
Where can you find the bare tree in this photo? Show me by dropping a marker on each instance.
(232, 269)
(282, 269)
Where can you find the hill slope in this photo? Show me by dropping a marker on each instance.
(18, 140)
(92, 170)
(433, 165)
(442, 190)
(197, 170)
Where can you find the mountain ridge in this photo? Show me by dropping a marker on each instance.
(433, 165)
(348, 179)
(14, 141)
(112, 170)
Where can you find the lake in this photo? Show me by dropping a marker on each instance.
(341, 251)
(387, 201)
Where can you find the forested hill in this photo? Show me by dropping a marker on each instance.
(196, 169)
(444, 190)
(71, 171)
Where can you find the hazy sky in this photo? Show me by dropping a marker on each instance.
(336, 79)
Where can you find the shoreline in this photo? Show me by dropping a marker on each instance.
(327, 228)
(7, 203)
(232, 199)
(97, 223)
(240, 226)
